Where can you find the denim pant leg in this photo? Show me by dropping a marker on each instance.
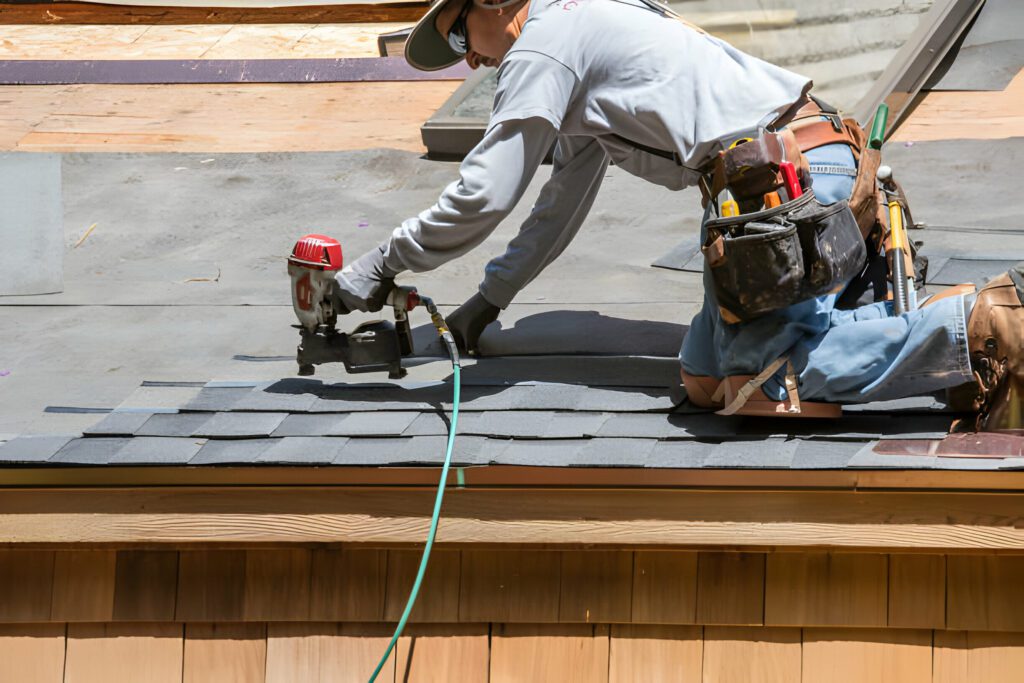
(867, 354)
(714, 348)
(841, 356)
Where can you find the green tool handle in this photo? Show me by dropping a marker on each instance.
(878, 127)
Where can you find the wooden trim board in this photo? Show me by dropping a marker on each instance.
(919, 522)
(517, 476)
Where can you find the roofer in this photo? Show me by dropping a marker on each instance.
(629, 82)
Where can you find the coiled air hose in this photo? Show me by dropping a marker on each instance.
(453, 351)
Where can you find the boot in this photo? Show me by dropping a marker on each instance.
(995, 339)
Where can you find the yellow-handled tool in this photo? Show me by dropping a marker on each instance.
(903, 298)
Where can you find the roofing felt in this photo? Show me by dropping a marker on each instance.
(578, 372)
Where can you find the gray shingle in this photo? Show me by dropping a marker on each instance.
(304, 450)
(118, 424)
(544, 452)
(275, 398)
(308, 424)
(390, 423)
(376, 452)
(574, 425)
(505, 424)
(622, 399)
(679, 454)
(160, 396)
(867, 458)
(91, 451)
(213, 399)
(157, 450)
(232, 451)
(643, 426)
(32, 448)
(614, 453)
(240, 425)
(548, 396)
(428, 424)
(173, 424)
(758, 453)
(824, 455)
(944, 463)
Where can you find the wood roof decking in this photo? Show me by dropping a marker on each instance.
(71, 13)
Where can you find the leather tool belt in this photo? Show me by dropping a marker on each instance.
(767, 260)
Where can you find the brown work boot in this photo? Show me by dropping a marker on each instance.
(995, 338)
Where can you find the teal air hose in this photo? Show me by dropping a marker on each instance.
(446, 337)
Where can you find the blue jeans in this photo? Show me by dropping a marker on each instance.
(843, 356)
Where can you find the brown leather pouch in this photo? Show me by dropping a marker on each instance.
(751, 169)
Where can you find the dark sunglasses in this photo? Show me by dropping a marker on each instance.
(458, 34)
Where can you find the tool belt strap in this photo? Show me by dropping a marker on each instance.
(820, 133)
(748, 389)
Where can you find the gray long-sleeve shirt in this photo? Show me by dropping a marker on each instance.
(593, 75)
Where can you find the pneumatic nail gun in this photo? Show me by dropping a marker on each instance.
(372, 346)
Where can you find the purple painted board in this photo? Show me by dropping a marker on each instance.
(166, 71)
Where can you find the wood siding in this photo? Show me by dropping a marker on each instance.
(301, 652)
(670, 587)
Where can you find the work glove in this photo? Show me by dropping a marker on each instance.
(364, 284)
(468, 321)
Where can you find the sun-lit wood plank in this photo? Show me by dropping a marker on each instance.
(655, 653)
(440, 653)
(128, 653)
(32, 653)
(310, 652)
(549, 653)
(751, 655)
(966, 115)
(225, 653)
(247, 117)
(978, 657)
(877, 655)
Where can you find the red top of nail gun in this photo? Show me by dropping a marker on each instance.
(317, 251)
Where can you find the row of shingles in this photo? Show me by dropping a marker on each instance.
(288, 422)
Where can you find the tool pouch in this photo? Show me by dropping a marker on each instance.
(764, 261)
(751, 169)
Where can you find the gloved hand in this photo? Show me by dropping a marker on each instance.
(468, 321)
(364, 284)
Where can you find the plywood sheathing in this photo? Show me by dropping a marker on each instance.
(197, 41)
(966, 115)
(96, 13)
(218, 118)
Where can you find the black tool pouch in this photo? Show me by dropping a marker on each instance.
(761, 262)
